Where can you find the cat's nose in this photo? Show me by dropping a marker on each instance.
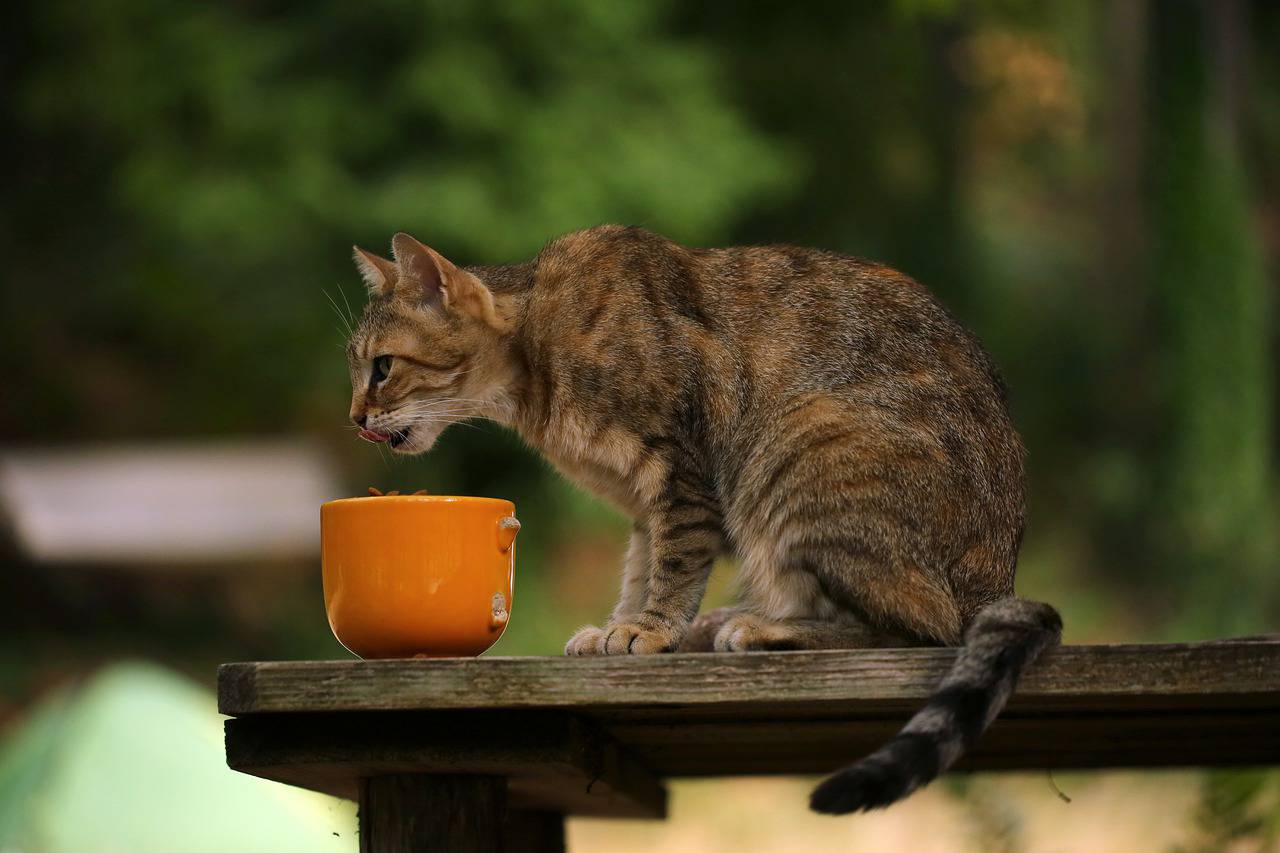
(360, 419)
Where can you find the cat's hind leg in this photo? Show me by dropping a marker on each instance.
(746, 631)
(817, 595)
(735, 629)
(701, 636)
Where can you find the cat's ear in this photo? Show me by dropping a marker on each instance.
(379, 274)
(421, 271)
(426, 275)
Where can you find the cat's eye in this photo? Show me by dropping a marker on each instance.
(381, 367)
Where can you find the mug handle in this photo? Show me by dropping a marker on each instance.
(499, 611)
(507, 529)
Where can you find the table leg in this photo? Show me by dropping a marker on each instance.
(535, 832)
(412, 813)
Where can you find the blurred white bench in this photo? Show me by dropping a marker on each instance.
(166, 507)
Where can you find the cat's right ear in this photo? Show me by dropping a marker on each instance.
(434, 280)
(379, 274)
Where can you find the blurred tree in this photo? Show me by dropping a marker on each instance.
(871, 92)
(1237, 810)
(230, 154)
(1214, 307)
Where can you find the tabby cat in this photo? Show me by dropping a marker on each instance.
(819, 417)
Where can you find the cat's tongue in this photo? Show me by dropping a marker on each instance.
(373, 435)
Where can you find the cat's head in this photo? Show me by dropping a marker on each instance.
(429, 349)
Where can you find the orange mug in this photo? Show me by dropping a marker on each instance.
(418, 575)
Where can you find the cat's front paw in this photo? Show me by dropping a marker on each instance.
(637, 638)
(588, 641)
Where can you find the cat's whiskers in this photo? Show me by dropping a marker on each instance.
(450, 407)
(447, 423)
(350, 314)
(434, 419)
(383, 456)
(345, 318)
(443, 412)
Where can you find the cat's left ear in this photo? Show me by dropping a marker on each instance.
(379, 274)
(425, 274)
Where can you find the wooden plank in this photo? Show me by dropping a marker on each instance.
(412, 813)
(1225, 675)
(332, 752)
(592, 736)
(1051, 742)
(553, 761)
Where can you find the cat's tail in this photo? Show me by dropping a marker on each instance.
(1002, 639)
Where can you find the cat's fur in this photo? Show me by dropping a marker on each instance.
(820, 417)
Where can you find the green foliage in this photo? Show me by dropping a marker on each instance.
(488, 128)
(1238, 810)
(245, 148)
(1219, 533)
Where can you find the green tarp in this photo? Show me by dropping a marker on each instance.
(131, 760)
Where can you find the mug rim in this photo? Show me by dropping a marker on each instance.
(368, 500)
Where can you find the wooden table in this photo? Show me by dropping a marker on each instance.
(492, 753)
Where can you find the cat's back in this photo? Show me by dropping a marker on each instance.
(748, 283)
(809, 312)
(721, 289)
(811, 316)
(617, 276)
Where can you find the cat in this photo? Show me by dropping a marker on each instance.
(820, 417)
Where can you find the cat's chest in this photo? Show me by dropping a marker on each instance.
(605, 459)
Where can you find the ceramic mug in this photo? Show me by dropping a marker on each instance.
(418, 575)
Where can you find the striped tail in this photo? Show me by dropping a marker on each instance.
(1002, 639)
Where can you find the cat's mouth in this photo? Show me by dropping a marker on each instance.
(394, 438)
(398, 437)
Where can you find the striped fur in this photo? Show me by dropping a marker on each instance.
(1003, 639)
(821, 418)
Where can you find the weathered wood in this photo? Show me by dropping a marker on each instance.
(1228, 675)
(331, 752)
(412, 813)
(1014, 742)
(554, 762)
(592, 736)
